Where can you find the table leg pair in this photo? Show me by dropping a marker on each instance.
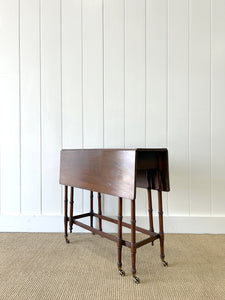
(133, 233)
(70, 219)
(132, 245)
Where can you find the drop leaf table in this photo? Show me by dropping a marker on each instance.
(116, 172)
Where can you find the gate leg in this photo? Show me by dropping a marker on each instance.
(133, 242)
(99, 211)
(150, 210)
(71, 209)
(119, 238)
(65, 213)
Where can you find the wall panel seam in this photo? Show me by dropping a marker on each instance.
(210, 86)
(61, 95)
(124, 39)
(82, 90)
(103, 81)
(41, 162)
(145, 78)
(167, 82)
(189, 181)
(19, 56)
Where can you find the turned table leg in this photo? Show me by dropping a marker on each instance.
(91, 209)
(71, 209)
(161, 233)
(99, 211)
(150, 211)
(133, 242)
(119, 237)
(65, 213)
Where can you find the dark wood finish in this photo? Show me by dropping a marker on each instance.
(71, 209)
(114, 171)
(96, 170)
(66, 212)
(97, 231)
(119, 237)
(147, 241)
(82, 216)
(133, 239)
(99, 211)
(150, 210)
(91, 209)
(142, 230)
(117, 172)
(161, 232)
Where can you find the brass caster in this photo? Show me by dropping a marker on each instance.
(67, 241)
(136, 279)
(121, 272)
(165, 263)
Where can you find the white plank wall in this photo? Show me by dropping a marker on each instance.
(51, 105)
(30, 107)
(178, 115)
(199, 108)
(217, 107)
(112, 74)
(10, 106)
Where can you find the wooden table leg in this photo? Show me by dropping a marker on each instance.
(91, 208)
(65, 213)
(161, 233)
(119, 238)
(133, 242)
(99, 211)
(150, 211)
(71, 209)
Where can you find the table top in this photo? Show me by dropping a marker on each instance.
(115, 171)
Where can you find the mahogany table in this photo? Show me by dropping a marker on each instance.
(116, 172)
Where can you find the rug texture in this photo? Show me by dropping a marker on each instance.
(42, 266)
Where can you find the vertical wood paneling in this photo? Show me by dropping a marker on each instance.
(92, 74)
(199, 127)
(112, 73)
(156, 79)
(72, 110)
(10, 107)
(218, 106)
(178, 202)
(113, 82)
(135, 84)
(51, 105)
(156, 73)
(30, 107)
(134, 73)
(92, 79)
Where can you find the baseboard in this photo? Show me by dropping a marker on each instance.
(172, 224)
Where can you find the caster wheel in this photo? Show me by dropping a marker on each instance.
(121, 272)
(136, 279)
(165, 263)
(67, 241)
